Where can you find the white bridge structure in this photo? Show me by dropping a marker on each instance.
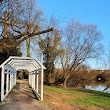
(9, 70)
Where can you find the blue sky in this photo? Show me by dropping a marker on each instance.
(87, 11)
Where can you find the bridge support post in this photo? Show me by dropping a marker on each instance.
(2, 83)
(29, 78)
(37, 83)
(7, 83)
(34, 81)
(42, 80)
(10, 81)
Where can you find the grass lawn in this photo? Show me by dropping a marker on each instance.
(82, 97)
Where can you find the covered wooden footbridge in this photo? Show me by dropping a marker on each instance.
(12, 65)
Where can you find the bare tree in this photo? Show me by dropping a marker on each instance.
(18, 24)
(81, 42)
(106, 59)
(33, 16)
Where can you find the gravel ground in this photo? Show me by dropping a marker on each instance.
(22, 98)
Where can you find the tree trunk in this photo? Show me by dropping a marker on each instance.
(28, 47)
(47, 78)
(65, 83)
(5, 25)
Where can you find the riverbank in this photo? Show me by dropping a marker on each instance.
(55, 99)
(76, 99)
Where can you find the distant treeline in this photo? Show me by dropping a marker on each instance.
(81, 78)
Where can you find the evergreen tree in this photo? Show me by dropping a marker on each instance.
(50, 50)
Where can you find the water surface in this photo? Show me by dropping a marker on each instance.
(98, 88)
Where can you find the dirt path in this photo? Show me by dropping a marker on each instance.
(22, 98)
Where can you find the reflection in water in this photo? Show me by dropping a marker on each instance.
(98, 88)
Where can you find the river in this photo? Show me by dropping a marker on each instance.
(98, 88)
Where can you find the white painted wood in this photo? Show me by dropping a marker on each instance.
(15, 77)
(37, 83)
(12, 64)
(5, 62)
(2, 83)
(7, 82)
(34, 81)
(29, 78)
(25, 62)
(10, 81)
(42, 72)
(13, 83)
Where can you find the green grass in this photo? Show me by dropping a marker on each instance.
(83, 96)
(57, 90)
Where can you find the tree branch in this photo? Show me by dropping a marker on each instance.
(4, 45)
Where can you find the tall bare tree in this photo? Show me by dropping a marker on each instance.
(18, 24)
(33, 16)
(81, 42)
